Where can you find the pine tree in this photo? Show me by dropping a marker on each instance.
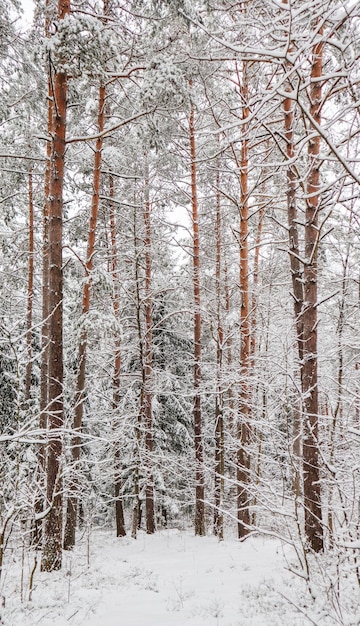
(243, 458)
(312, 489)
(52, 550)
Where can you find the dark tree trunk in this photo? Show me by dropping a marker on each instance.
(243, 456)
(119, 511)
(148, 391)
(52, 551)
(258, 433)
(44, 374)
(296, 270)
(199, 452)
(219, 415)
(136, 520)
(312, 491)
(30, 291)
(229, 362)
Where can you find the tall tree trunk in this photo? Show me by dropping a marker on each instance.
(199, 451)
(136, 520)
(337, 416)
(72, 502)
(312, 492)
(148, 383)
(30, 291)
(52, 551)
(219, 416)
(44, 374)
(258, 432)
(229, 363)
(119, 511)
(259, 230)
(243, 456)
(44, 381)
(296, 271)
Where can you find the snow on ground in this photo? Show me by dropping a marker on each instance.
(169, 579)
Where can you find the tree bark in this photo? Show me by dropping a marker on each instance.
(243, 456)
(219, 408)
(229, 363)
(52, 552)
(44, 373)
(312, 491)
(296, 271)
(254, 297)
(119, 511)
(147, 369)
(258, 433)
(199, 451)
(337, 413)
(44, 383)
(30, 291)
(136, 520)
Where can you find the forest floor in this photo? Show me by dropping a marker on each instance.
(168, 579)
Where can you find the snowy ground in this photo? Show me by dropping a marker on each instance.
(169, 579)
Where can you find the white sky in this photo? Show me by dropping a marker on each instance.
(28, 7)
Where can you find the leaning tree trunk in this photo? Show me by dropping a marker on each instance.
(72, 502)
(312, 492)
(52, 552)
(243, 456)
(119, 511)
(199, 452)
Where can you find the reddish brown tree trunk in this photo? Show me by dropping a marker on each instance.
(30, 291)
(119, 511)
(199, 452)
(243, 456)
(71, 514)
(312, 491)
(52, 552)
(148, 384)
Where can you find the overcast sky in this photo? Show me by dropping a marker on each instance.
(28, 7)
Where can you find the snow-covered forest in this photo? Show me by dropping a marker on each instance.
(179, 309)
